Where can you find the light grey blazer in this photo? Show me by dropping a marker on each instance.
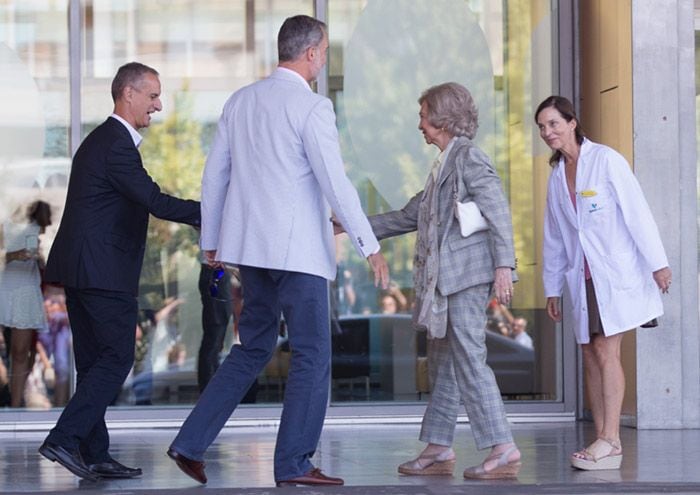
(271, 178)
(463, 261)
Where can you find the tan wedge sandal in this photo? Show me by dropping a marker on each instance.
(430, 465)
(601, 454)
(504, 469)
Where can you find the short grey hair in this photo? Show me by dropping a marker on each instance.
(451, 107)
(298, 34)
(129, 74)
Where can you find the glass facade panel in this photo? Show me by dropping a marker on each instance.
(383, 53)
(382, 56)
(204, 51)
(697, 109)
(34, 163)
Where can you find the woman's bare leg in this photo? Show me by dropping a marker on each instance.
(20, 363)
(607, 351)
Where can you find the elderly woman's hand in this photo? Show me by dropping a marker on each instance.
(503, 284)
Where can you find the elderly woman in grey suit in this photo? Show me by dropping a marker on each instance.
(454, 277)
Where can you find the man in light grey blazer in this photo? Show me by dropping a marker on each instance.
(272, 173)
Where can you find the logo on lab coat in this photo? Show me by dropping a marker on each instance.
(593, 207)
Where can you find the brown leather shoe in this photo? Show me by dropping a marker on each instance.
(313, 478)
(193, 469)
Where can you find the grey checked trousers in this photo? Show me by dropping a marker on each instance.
(458, 370)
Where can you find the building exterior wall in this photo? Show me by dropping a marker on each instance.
(638, 96)
(668, 358)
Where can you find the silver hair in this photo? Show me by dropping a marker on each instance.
(298, 34)
(451, 107)
(130, 74)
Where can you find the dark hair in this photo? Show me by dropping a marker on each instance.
(568, 113)
(40, 212)
(129, 75)
(451, 107)
(146, 319)
(297, 34)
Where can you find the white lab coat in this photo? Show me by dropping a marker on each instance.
(613, 228)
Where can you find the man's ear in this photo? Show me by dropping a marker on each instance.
(311, 53)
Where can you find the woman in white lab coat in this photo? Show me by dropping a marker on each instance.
(600, 241)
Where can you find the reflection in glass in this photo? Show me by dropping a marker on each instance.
(697, 113)
(204, 51)
(383, 53)
(502, 52)
(34, 163)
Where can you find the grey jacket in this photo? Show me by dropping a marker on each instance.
(463, 261)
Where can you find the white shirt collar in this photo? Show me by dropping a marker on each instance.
(296, 74)
(442, 155)
(134, 133)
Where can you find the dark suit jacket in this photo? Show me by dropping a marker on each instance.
(102, 237)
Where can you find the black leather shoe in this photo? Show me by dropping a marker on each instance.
(114, 469)
(193, 469)
(72, 461)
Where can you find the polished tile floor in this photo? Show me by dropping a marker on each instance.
(367, 456)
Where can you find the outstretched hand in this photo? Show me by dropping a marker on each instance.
(380, 269)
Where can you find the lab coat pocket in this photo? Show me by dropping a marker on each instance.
(623, 270)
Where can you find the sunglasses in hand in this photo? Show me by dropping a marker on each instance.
(216, 277)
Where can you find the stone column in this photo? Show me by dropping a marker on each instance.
(663, 62)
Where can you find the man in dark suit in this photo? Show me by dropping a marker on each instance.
(97, 256)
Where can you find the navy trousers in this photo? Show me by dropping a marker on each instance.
(104, 332)
(303, 299)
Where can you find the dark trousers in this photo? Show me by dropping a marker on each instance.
(303, 299)
(216, 313)
(104, 332)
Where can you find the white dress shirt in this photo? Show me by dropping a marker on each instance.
(135, 136)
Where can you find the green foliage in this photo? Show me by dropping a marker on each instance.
(173, 155)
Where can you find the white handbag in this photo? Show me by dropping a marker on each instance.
(470, 218)
(468, 214)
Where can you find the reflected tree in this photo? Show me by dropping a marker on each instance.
(386, 67)
(174, 157)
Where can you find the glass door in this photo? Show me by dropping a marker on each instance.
(383, 54)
